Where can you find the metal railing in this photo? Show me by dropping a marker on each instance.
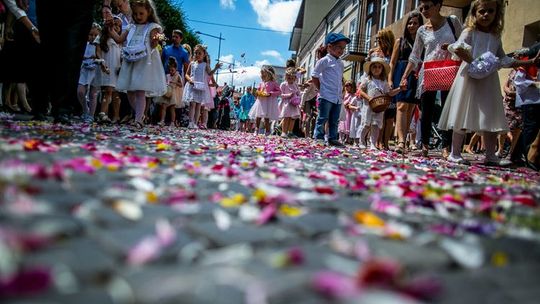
(358, 45)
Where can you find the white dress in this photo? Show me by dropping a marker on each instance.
(146, 74)
(476, 104)
(375, 87)
(356, 117)
(88, 66)
(112, 60)
(198, 74)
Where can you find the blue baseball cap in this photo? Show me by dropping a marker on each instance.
(335, 37)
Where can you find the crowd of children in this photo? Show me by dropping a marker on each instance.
(123, 59)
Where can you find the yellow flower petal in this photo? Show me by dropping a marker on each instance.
(499, 259)
(96, 163)
(290, 210)
(369, 219)
(151, 197)
(259, 194)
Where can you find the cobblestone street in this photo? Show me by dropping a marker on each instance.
(106, 214)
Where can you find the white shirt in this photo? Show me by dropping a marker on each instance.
(329, 71)
(527, 92)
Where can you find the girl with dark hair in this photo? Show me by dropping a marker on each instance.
(406, 100)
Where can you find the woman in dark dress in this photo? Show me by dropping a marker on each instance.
(405, 100)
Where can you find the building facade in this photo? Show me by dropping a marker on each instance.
(521, 28)
(360, 20)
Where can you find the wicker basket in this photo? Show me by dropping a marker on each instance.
(380, 103)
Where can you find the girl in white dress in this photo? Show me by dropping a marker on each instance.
(375, 84)
(475, 105)
(141, 74)
(197, 91)
(87, 76)
(110, 51)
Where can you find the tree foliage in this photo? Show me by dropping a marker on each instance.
(173, 17)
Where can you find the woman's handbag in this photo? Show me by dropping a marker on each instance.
(439, 75)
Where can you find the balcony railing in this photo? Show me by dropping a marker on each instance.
(356, 50)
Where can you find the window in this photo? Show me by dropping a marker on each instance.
(342, 14)
(369, 23)
(370, 8)
(382, 16)
(352, 28)
(416, 4)
(400, 9)
(310, 65)
(354, 2)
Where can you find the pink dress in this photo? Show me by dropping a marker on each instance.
(266, 107)
(347, 99)
(209, 101)
(287, 92)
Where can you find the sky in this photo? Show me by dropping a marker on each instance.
(248, 49)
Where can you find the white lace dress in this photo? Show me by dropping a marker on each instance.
(476, 104)
(112, 60)
(146, 74)
(430, 42)
(198, 74)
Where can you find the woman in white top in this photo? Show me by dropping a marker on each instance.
(431, 39)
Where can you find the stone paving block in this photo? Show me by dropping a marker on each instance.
(51, 225)
(88, 296)
(516, 250)
(415, 257)
(83, 257)
(471, 287)
(314, 257)
(61, 202)
(164, 284)
(239, 233)
(120, 240)
(311, 224)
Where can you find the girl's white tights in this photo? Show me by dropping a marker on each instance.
(93, 100)
(374, 135)
(137, 100)
(363, 134)
(194, 112)
(88, 105)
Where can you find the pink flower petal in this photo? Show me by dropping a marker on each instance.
(334, 285)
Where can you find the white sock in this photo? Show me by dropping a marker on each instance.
(374, 135)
